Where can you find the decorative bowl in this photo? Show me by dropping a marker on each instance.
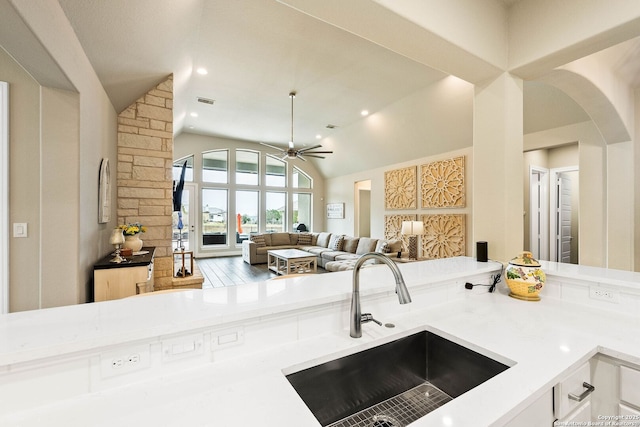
(525, 277)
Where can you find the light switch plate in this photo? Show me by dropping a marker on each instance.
(20, 229)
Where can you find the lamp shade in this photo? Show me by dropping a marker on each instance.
(412, 228)
(117, 238)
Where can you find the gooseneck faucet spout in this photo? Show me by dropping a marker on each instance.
(356, 317)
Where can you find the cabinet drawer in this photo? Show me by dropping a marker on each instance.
(572, 385)
(630, 386)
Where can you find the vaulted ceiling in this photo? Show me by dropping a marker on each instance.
(255, 52)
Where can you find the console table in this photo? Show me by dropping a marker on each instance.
(133, 276)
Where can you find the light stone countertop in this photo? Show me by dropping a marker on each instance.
(541, 341)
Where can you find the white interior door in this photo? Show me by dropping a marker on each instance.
(4, 197)
(564, 218)
(538, 213)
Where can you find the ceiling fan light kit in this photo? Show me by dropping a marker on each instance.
(291, 152)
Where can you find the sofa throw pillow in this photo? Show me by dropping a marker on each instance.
(350, 244)
(258, 239)
(336, 242)
(323, 240)
(280, 239)
(304, 239)
(366, 244)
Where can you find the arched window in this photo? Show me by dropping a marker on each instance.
(247, 170)
(245, 191)
(276, 175)
(215, 166)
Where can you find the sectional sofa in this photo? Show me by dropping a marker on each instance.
(334, 252)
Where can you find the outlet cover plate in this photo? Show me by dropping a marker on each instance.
(182, 347)
(601, 293)
(125, 361)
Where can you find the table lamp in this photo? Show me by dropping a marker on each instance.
(412, 229)
(117, 239)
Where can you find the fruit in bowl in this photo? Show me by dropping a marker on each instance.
(525, 278)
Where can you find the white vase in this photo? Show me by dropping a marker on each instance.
(133, 242)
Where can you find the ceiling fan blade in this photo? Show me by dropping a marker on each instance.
(317, 152)
(313, 155)
(309, 148)
(299, 156)
(273, 146)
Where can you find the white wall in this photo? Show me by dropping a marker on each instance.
(60, 196)
(636, 183)
(436, 119)
(620, 215)
(24, 179)
(54, 265)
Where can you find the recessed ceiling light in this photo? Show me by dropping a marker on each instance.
(202, 71)
(318, 136)
(364, 113)
(194, 114)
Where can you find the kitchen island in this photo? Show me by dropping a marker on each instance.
(219, 357)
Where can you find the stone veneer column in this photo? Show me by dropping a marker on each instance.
(145, 181)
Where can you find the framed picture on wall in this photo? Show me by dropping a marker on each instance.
(335, 210)
(104, 192)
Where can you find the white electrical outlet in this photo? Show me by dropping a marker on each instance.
(124, 361)
(604, 294)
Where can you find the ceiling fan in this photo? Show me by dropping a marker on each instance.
(292, 153)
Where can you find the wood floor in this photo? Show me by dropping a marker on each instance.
(232, 270)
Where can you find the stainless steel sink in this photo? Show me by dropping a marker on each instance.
(392, 384)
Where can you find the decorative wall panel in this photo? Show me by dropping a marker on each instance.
(401, 188)
(443, 184)
(393, 227)
(444, 236)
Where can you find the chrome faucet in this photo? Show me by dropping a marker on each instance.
(357, 319)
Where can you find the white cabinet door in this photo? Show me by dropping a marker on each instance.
(567, 391)
(580, 416)
(631, 414)
(538, 413)
(630, 386)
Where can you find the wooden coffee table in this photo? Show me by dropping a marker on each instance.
(291, 261)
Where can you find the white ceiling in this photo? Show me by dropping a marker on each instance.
(256, 52)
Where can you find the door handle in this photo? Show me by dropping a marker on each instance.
(587, 392)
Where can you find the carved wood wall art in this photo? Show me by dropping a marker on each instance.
(443, 184)
(400, 188)
(393, 228)
(444, 236)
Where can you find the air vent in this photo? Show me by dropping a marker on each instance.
(330, 126)
(206, 100)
